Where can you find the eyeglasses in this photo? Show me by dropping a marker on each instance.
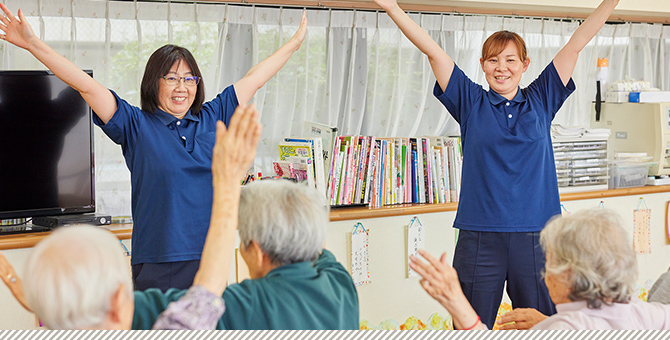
(188, 81)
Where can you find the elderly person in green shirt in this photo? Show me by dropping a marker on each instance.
(295, 283)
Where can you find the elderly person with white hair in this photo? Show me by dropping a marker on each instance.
(295, 283)
(590, 273)
(78, 277)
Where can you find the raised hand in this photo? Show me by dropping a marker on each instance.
(299, 35)
(440, 281)
(16, 30)
(12, 280)
(235, 147)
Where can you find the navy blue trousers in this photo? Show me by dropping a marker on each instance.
(164, 275)
(485, 260)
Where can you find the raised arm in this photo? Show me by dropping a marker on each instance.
(234, 151)
(566, 59)
(440, 61)
(440, 281)
(17, 31)
(258, 75)
(12, 281)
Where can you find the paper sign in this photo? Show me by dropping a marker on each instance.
(360, 259)
(641, 239)
(415, 241)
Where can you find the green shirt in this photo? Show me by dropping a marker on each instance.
(303, 295)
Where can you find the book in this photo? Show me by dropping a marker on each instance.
(317, 158)
(328, 135)
(298, 153)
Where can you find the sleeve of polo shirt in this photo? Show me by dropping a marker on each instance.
(458, 95)
(119, 128)
(224, 105)
(550, 91)
(149, 304)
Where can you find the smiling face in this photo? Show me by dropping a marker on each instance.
(504, 70)
(176, 99)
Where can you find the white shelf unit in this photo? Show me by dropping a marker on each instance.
(581, 164)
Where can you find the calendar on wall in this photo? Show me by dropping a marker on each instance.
(360, 257)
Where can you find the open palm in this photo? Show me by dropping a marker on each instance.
(16, 30)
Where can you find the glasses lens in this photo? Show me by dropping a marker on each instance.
(191, 80)
(171, 80)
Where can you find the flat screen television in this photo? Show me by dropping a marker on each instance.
(46, 147)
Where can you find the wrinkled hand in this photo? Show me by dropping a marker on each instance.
(386, 4)
(439, 279)
(235, 147)
(16, 30)
(299, 35)
(520, 318)
(12, 281)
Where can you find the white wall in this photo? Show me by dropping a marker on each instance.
(391, 295)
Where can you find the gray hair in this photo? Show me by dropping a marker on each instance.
(594, 249)
(72, 275)
(288, 220)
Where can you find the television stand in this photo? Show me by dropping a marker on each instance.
(65, 220)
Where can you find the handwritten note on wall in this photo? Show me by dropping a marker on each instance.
(360, 258)
(642, 223)
(415, 241)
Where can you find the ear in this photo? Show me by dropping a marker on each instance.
(116, 318)
(481, 62)
(525, 64)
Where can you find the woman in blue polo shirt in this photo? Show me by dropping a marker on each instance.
(167, 145)
(509, 188)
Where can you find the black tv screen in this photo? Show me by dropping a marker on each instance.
(46, 147)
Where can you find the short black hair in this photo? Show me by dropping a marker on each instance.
(158, 65)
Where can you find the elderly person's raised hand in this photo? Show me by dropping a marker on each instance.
(234, 151)
(235, 147)
(520, 318)
(12, 280)
(440, 281)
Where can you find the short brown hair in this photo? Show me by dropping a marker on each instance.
(158, 65)
(497, 42)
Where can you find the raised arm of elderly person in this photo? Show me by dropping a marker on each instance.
(234, 151)
(440, 281)
(13, 281)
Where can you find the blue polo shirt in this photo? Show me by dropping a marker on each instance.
(302, 295)
(170, 164)
(509, 181)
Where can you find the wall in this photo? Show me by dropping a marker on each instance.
(391, 295)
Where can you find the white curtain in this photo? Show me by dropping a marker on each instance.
(355, 69)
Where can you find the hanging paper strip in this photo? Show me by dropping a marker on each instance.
(641, 228)
(360, 258)
(415, 241)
